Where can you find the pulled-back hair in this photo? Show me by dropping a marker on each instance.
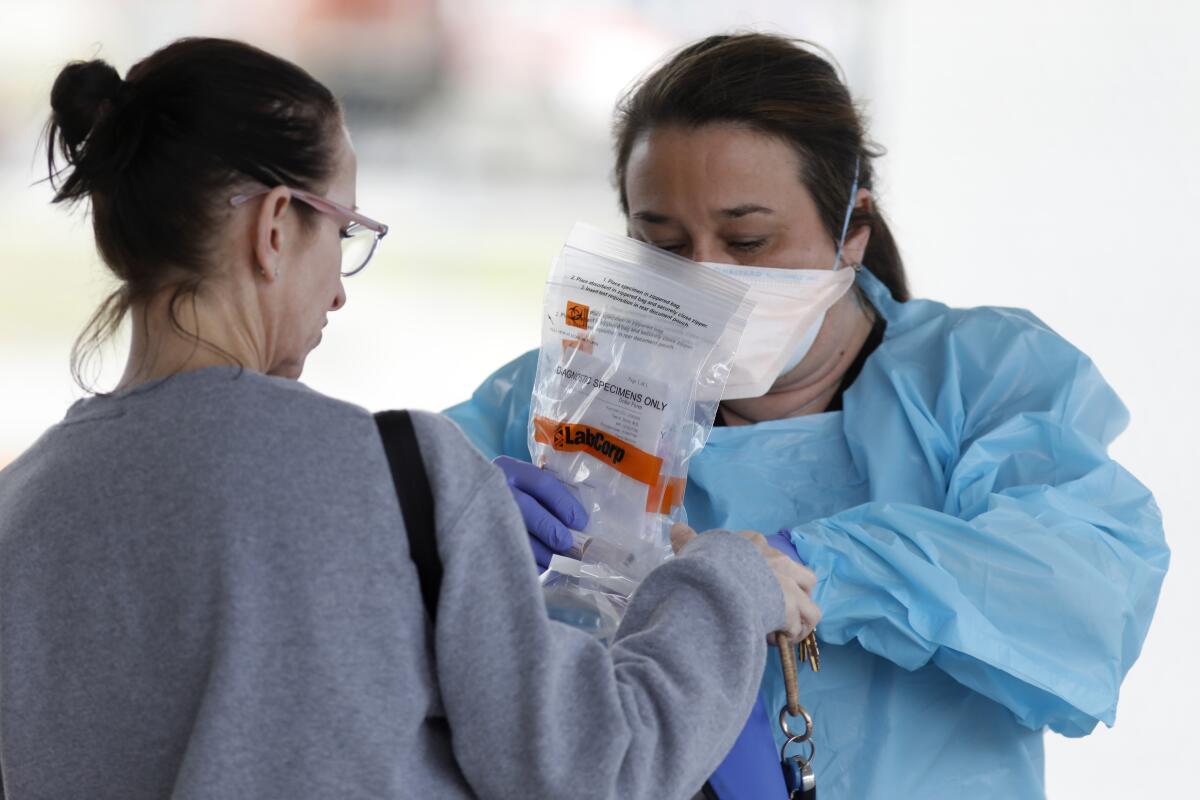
(158, 153)
(779, 87)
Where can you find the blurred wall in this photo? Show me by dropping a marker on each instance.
(1041, 155)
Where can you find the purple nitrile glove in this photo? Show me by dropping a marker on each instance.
(782, 542)
(547, 507)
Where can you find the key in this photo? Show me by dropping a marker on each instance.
(811, 652)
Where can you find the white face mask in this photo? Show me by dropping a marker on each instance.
(789, 309)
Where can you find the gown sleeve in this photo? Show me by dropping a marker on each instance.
(496, 416)
(1001, 543)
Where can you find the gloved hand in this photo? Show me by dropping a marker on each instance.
(782, 542)
(546, 506)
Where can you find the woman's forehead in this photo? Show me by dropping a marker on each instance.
(343, 183)
(720, 168)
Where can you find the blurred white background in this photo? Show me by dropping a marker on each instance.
(1041, 155)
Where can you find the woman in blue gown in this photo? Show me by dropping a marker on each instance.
(985, 570)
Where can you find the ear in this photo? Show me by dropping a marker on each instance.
(269, 232)
(856, 241)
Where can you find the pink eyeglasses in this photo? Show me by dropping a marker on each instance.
(360, 234)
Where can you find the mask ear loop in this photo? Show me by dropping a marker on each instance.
(837, 259)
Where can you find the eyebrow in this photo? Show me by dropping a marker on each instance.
(737, 212)
(652, 217)
(745, 210)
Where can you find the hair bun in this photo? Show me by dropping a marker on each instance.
(79, 96)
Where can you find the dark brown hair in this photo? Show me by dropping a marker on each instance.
(779, 87)
(158, 154)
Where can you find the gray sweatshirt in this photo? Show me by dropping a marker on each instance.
(205, 592)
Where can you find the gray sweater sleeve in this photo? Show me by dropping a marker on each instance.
(539, 709)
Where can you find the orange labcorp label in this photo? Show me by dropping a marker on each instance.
(665, 495)
(663, 492)
(571, 437)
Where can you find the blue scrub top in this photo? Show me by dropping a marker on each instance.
(985, 569)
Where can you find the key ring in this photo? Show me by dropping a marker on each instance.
(804, 762)
(784, 713)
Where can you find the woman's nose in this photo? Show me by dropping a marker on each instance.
(339, 299)
(708, 249)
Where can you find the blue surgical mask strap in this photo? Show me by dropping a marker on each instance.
(837, 259)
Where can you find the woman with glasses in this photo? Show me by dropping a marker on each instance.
(206, 587)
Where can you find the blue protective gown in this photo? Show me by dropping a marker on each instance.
(985, 569)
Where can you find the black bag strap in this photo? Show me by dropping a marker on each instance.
(416, 501)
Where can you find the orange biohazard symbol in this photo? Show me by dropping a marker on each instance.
(577, 315)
